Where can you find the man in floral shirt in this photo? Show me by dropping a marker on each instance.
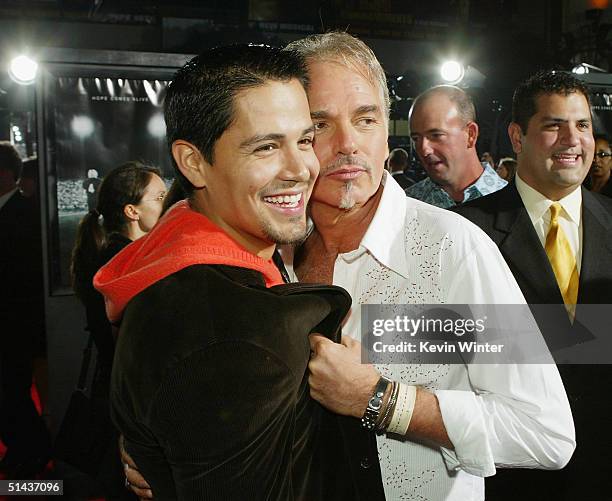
(444, 131)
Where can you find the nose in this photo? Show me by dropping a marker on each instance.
(571, 136)
(345, 140)
(300, 166)
(423, 147)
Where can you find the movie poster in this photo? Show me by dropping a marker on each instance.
(601, 104)
(96, 124)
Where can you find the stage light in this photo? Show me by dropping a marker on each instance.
(23, 70)
(580, 69)
(452, 72)
(82, 126)
(584, 68)
(157, 126)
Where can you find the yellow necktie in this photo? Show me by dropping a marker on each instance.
(562, 260)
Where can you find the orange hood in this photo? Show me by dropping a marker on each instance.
(181, 238)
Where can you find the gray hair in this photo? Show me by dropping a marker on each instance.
(345, 49)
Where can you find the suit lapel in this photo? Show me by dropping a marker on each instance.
(596, 269)
(523, 251)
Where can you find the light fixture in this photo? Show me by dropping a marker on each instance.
(584, 68)
(23, 69)
(580, 69)
(452, 72)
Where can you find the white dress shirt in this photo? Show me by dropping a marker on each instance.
(504, 415)
(570, 218)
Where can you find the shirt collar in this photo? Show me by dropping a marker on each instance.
(384, 238)
(537, 205)
(488, 182)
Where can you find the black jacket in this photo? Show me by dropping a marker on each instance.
(504, 218)
(210, 389)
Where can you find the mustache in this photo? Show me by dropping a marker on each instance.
(344, 160)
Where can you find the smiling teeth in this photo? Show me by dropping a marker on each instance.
(285, 200)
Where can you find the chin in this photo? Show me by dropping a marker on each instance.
(286, 236)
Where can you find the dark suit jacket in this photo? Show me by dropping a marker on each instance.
(504, 218)
(21, 299)
(21, 326)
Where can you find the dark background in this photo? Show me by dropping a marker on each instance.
(501, 40)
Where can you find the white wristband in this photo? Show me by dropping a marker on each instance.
(402, 414)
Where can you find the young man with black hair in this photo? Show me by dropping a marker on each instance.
(209, 385)
(557, 240)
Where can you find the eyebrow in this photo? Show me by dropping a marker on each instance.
(317, 115)
(428, 131)
(258, 138)
(367, 108)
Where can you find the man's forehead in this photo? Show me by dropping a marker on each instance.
(337, 76)
(545, 101)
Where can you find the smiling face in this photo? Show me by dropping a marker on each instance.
(442, 139)
(351, 135)
(555, 152)
(263, 170)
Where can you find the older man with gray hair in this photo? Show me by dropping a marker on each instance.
(385, 248)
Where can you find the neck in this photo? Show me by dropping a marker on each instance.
(342, 230)
(133, 231)
(469, 175)
(261, 248)
(551, 192)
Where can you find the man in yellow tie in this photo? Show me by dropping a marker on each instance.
(557, 240)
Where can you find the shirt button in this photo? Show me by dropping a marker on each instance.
(365, 462)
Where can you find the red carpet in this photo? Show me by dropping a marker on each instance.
(48, 468)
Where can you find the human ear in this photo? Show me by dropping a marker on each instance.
(190, 162)
(131, 212)
(472, 130)
(516, 134)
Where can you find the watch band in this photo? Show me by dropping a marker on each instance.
(370, 417)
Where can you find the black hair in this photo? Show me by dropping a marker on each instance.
(198, 107)
(524, 104)
(123, 185)
(398, 158)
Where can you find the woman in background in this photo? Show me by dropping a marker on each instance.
(130, 201)
(507, 168)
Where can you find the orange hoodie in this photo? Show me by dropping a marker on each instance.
(181, 238)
